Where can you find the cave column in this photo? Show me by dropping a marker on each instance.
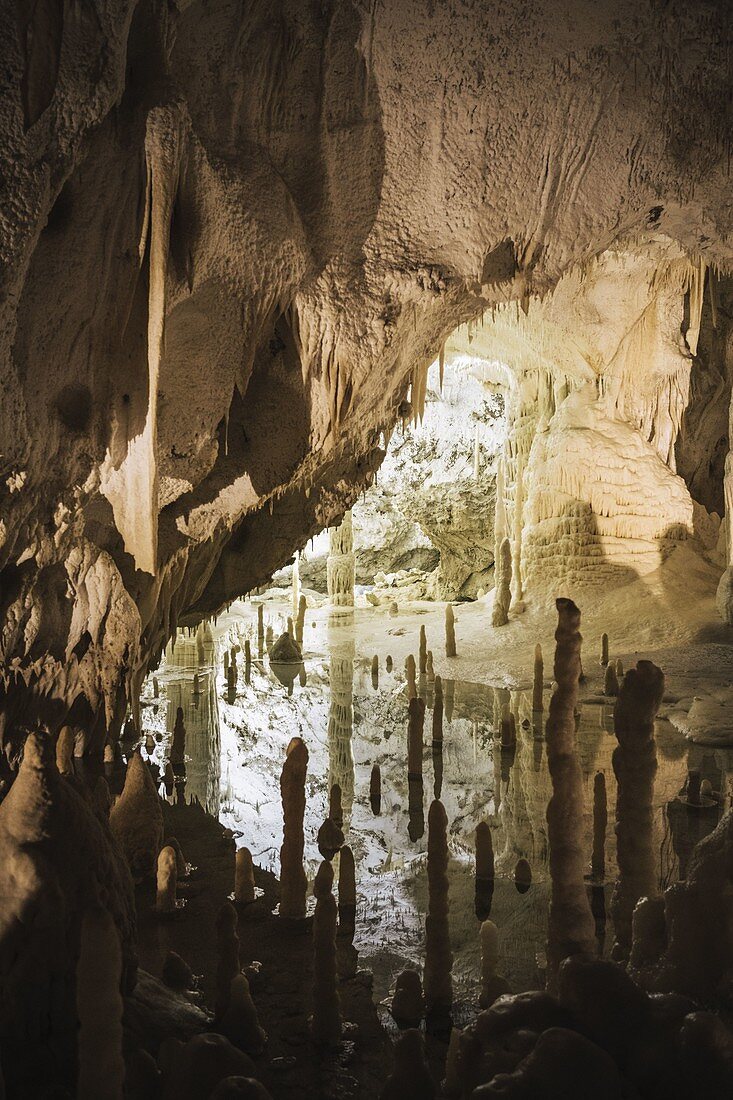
(340, 566)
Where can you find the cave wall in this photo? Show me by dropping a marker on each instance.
(232, 236)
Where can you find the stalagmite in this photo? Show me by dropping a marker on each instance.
(538, 681)
(604, 650)
(619, 671)
(375, 671)
(610, 681)
(233, 662)
(196, 688)
(231, 684)
(296, 583)
(178, 745)
(571, 928)
(156, 688)
(347, 892)
(408, 1002)
(410, 1078)
(165, 898)
(260, 627)
(431, 668)
(226, 663)
(508, 730)
(502, 590)
(423, 652)
(99, 1008)
(182, 868)
(136, 819)
(326, 1025)
(438, 711)
(81, 739)
(635, 765)
(410, 674)
(449, 697)
(484, 890)
(438, 954)
(227, 950)
(375, 790)
(600, 820)
(388, 663)
(300, 621)
(340, 565)
(65, 751)
(293, 881)
(240, 1022)
(244, 877)
(492, 984)
(415, 727)
(450, 632)
(247, 661)
(269, 636)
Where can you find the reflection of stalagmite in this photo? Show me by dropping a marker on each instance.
(165, 898)
(502, 590)
(156, 688)
(99, 1008)
(450, 631)
(388, 663)
(416, 814)
(635, 765)
(484, 870)
(438, 739)
(604, 650)
(431, 667)
(375, 790)
(571, 928)
(423, 651)
(326, 1027)
(492, 984)
(247, 662)
(191, 655)
(449, 696)
(293, 882)
(408, 1003)
(260, 627)
(340, 564)
(415, 727)
(410, 674)
(330, 839)
(375, 671)
(538, 681)
(341, 724)
(438, 954)
(600, 820)
(522, 875)
(244, 877)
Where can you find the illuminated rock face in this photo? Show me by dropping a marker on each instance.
(211, 307)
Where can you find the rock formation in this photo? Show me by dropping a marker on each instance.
(450, 632)
(99, 1007)
(340, 566)
(227, 950)
(167, 877)
(493, 985)
(538, 681)
(239, 1022)
(410, 1078)
(326, 1026)
(136, 819)
(293, 882)
(502, 589)
(375, 790)
(408, 1003)
(600, 821)
(244, 878)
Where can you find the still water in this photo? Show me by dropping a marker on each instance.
(235, 747)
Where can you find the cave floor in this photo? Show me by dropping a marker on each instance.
(236, 743)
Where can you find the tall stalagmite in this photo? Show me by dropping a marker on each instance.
(571, 928)
(326, 1026)
(293, 881)
(502, 590)
(538, 680)
(136, 819)
(244, 878)
(450, 631)
(600, 821)
(438, 954)
(635, 765)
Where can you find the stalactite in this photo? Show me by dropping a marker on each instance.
(571, 928)
(502, 590)
(450, 632)
(438, 954)
(538, 681)
(635, 765)
(293, 881)
(99, 1007)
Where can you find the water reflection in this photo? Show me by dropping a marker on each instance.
(352, 725)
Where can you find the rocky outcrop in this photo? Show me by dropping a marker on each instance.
(458, 518)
